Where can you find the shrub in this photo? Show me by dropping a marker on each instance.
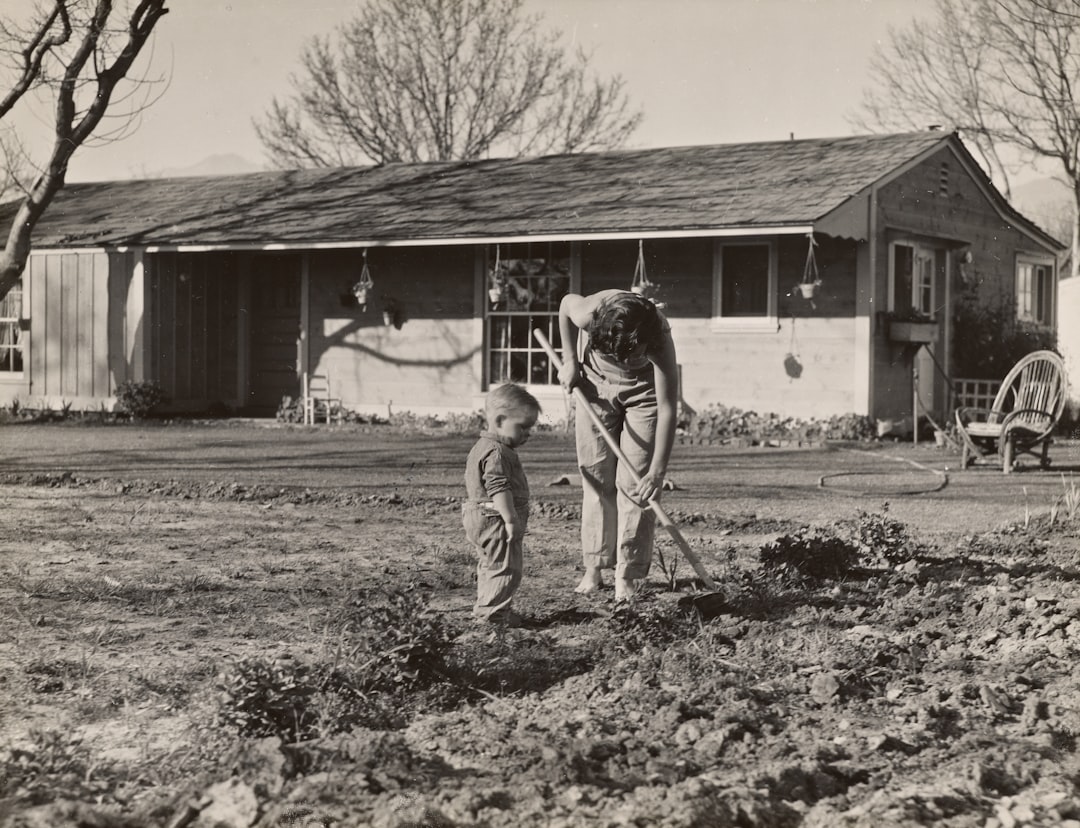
(270, 698)
(721, 423)
(991, 339)
(879, 537)
(139, 399)
(810, 553)
(393, 639)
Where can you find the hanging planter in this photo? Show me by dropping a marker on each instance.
(497, 281)
(811, 281)
(641, 285)
(362, 289)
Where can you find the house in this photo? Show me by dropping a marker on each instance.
(226, 290)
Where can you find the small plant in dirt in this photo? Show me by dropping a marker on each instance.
(880, 537)
(139, 399)
(392, 639)
(810, 553)
(634, 625)
(52, 764)
(270, 697)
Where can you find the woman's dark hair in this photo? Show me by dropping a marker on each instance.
(624, 322)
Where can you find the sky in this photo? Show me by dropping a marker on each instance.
(703, 71)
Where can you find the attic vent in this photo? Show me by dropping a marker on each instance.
(943, 180)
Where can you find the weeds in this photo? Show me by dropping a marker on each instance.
(1066, 507)
(388, 645)
(139, 399)
(50, 763)
(635, 625)
(879, 537)
(810, 553)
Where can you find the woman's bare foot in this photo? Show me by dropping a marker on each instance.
(626, 588)
(591, 582)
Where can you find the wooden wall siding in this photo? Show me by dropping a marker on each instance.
(748, 370)
(955, 216)
(431, 362)
(681, 267)
(684, 270)
(193, 312)
(69, 344)
(960, 215)
(836, 260)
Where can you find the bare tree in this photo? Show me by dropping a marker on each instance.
(420, 80)
(1004, 73)
(77, 50)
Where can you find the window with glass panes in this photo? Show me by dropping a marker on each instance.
(1033, 292)
(911, 276)
(11, 352)
(532, 278)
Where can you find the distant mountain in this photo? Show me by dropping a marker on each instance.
(223, 164)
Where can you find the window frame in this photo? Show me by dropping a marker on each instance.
(765, 323)
(19, 325)
(919, 289)
(491, 313)
(1036, 263)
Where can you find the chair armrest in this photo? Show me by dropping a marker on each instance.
(1009, 423)
(967, 414)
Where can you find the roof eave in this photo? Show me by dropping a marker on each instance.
(600, 235)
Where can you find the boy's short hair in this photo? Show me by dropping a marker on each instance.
(624, 322)
(509, 398)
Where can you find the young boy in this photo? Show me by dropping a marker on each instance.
(628, 372)
(497, 508)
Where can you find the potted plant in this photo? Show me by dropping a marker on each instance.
(811, 281)
(497, 280)
(364, 286)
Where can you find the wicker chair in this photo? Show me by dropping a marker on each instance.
(1024, 413)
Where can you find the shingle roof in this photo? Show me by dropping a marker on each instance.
(676, 189)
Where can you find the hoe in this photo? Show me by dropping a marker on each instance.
(661, 515)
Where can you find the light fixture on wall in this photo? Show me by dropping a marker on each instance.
(965, 259)
(362, 289)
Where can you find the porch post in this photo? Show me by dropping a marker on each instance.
(243, 332)
(137, 319)
(866, 266)
(304, 344)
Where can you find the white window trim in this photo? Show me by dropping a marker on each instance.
(1037, 261)
(22, 322)
(918, 247)
(546, 394)
(746, 324)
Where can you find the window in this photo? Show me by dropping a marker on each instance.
(911, 278)
(745, 282)
(530, 282)
(1033, 292)
(11, 346)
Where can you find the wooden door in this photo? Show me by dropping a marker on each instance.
(274, 339)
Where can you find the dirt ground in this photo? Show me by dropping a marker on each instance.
(141, 564)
